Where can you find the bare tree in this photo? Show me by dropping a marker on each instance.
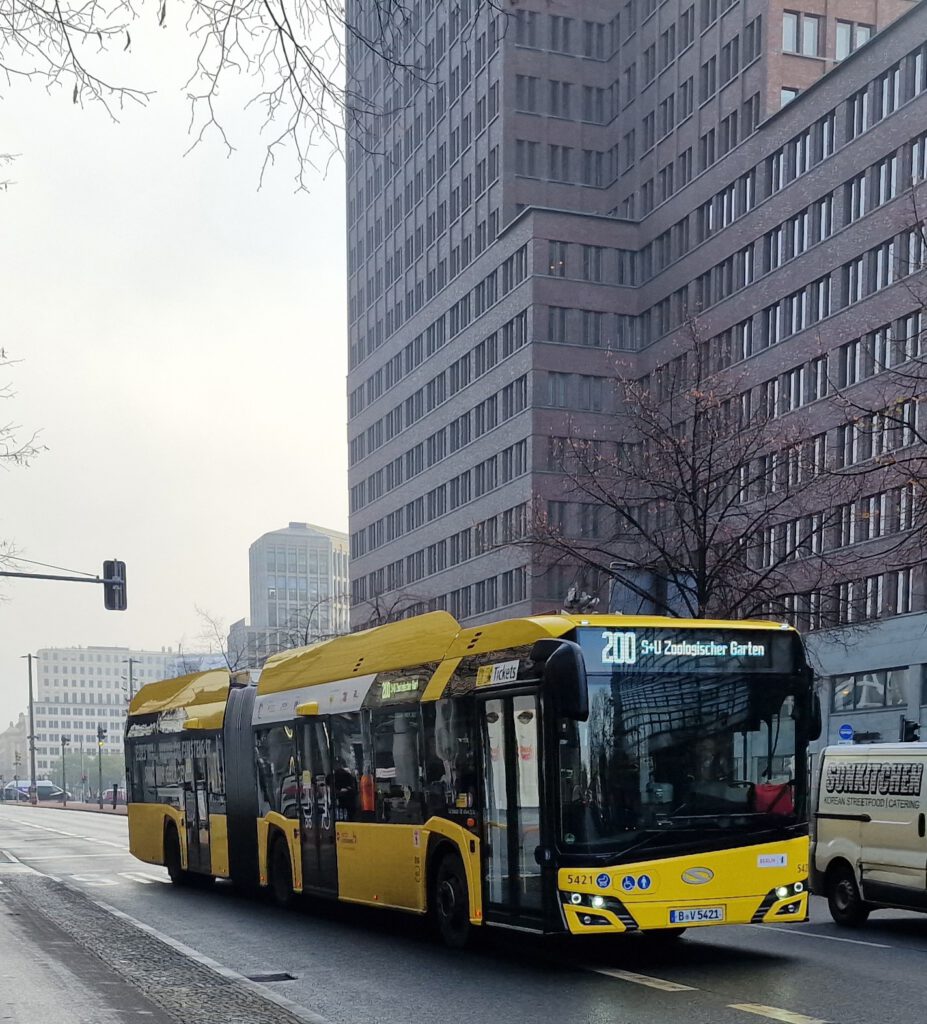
(700, 486)
(379, 609)
(16, 449)
(293, 51)
(216, 638)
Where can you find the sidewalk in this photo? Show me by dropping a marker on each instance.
(46, 976)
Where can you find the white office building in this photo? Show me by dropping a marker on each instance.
(78, 689)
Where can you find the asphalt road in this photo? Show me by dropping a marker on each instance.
(353, 966)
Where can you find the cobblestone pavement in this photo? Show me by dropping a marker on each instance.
(189, 991)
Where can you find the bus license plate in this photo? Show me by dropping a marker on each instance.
(696, 915)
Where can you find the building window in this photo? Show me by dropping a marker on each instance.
(801, 34)
(786, 94)
(850, 37)
(868, 690)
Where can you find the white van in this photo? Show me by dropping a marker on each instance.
(869, 848)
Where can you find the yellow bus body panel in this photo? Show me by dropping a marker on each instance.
(739, 882)
(289, 827)
(207, 692)
(415, 641)
(146, 831)
(381, 864)
(218, 845)
(468, 846)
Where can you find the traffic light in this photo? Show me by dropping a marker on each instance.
(114, 585)
(911, 731)
(101, 735)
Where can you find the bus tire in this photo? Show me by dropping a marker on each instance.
(172, 859)
(844, 899)
(281, 874)
(661, 935)
(450, 904)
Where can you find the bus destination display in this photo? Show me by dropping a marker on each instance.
(668, 650)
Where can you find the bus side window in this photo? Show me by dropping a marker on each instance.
(347, 740)
(450, 772)
(275, 754)
(398, 764)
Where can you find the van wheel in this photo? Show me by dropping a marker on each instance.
(172, 860)
(450, 906)
(844, 900)
(281, 874)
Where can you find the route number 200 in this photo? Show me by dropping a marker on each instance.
(619, 649)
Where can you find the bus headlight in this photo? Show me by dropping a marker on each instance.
(576, 897)
(782, 892)
(598, 902)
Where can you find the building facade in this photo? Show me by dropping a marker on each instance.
(561, 191)
(298, 579)
(14, 752)
(78, 689)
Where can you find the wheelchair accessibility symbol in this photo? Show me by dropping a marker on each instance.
(627, 883)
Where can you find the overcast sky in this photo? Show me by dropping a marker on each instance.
(182, 338)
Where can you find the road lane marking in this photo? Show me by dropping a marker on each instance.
(75, 856)
(642, 979)
(817, 935)
(94, 880)
(143, 877)
(72, 835)
(774, 1013)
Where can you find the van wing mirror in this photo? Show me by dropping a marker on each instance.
(564, 675)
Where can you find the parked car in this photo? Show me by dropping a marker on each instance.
(45, 790)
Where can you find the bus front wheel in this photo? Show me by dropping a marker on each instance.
(172, 860)
(844, 899)
(281, 874)
(451, 902)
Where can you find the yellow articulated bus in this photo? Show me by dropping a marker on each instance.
(582, 775)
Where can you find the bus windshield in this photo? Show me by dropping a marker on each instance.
(685, 739)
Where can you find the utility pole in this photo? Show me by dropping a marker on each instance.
(101, 736)
(33, 791)
(65, 742)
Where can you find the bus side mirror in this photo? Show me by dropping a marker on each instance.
(564, 676)
(815, 718)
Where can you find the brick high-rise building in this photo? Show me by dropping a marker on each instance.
(571, 181)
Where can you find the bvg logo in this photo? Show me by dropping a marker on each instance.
(697, 876)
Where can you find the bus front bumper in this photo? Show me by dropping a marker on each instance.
(749, 885)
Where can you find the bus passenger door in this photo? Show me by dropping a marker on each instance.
(196, 813)
(511, 795)
(317, 825)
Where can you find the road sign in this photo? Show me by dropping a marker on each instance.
(845, 733)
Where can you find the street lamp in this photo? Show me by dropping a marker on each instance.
(130, 662)
(33, 791)
(65, 742)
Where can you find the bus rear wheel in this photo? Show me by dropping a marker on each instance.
(172, 859)
(844, 899)
(451, 902)
(281, 874)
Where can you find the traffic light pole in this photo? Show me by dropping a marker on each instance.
(113, 581)
(100, 765)
(64, 781)
(33, 790)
